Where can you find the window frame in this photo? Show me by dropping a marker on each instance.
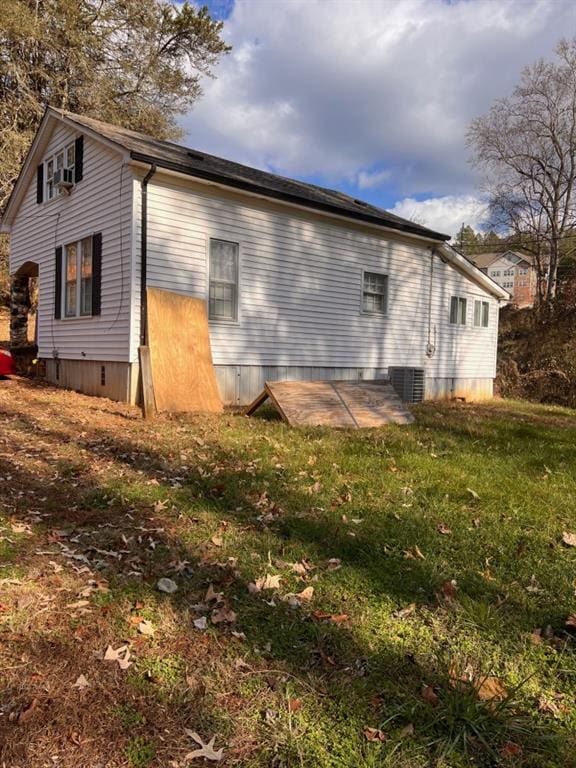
(457, 323)
(225, 238)
(484, 313)
(79, 245)
(386, 294)
(63, 150)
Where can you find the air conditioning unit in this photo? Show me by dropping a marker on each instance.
(64, 178)
(408, 383)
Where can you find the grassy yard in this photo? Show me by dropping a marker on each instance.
(395, 597)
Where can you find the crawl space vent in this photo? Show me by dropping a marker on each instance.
(408, 383)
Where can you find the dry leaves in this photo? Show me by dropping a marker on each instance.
(166, 585)
(335, 618)
(206, 749)
(264, 582)
(443, 529)
(413, 554)
(120, 655)
(490, 689)
(569, 539)
(429, 695)
(146, 627)
(448, 590)
(81, 683)
(374, 734)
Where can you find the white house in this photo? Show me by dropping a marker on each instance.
(301, 282)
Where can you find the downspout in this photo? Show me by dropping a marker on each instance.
(431, 345)
(144, 256)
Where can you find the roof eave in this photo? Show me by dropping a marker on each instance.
(256, 189)
(474, 272)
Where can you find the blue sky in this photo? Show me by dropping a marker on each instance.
(371, 97)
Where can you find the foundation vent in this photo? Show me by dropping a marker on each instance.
(408, 383)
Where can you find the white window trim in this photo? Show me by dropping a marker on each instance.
(78, 244)
(480, 325)
(228, 237)
(52, 157)
(465, 323)
(365, 312)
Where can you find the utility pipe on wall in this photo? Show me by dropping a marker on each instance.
(144, 256)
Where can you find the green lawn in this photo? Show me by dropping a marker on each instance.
(434, 633)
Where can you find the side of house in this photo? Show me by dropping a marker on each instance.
(80, 248)
(296, 295)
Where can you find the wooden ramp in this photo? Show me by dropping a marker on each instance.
(353, 404)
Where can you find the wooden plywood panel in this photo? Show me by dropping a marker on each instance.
(356, 404)
(179, 340)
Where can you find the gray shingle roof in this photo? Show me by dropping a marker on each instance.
(209, 167)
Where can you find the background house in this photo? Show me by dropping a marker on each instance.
(301, 282)
(512, 270)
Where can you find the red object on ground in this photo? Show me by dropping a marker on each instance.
(6, 363)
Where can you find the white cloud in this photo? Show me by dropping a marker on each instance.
(336, 89)
(444, 214)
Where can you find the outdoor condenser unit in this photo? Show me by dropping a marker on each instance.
(408, 383)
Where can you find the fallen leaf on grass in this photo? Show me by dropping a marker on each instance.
(490, 689)
(218, 541)
(206, 750)
(374, 734)
(403, 613)
(443, 529)
(306, 594)
(413, 554)
(448, 590)
(429, 695)
(335, 618)
(28, 713)
(145, 627)
(160, 506)
(223, 615)
(81, 683)
(511, 749)
(212, 595)
(571, 621)
(473, 493)
(121, 655)
(264, 582)
(294, 705)
(334, 564)
(200, 623)
(569, 539)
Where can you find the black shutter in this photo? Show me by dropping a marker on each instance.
(40, 183)
(78, 159)
(96, 273)
(58, 284)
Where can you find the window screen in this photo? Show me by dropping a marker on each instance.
(223, 290)
(481, 314)
(458, 311)
(375, 293)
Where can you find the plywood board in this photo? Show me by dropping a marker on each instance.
(349, 404)
(181, 359)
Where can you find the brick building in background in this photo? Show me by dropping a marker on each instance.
(513, 271)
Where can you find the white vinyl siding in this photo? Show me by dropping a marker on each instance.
(102, 203)
(301, 283)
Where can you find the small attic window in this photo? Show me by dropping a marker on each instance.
(59, 166)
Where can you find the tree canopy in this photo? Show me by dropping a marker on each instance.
(136, 63)
(526, 146)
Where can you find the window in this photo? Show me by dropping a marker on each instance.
(495, 273)
(64, 159)
(375, 293)
(458, 311)
(508, 273)
(78, 278)
(481, 314)
(223, 289)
